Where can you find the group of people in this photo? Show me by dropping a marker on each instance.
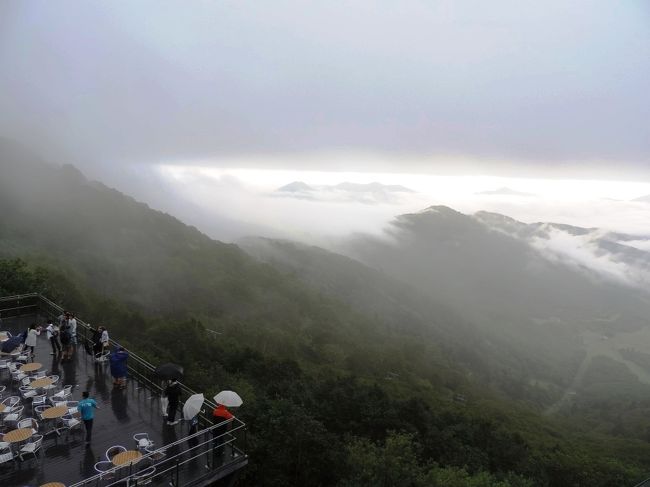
(63, 335)
(220, 415)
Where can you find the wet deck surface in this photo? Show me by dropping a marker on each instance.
(123, 413)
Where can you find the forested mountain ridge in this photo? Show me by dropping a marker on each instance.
(495, 360)
(572, 298)
(334, 396)
(498, 279)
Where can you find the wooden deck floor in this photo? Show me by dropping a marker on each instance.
(123, 413)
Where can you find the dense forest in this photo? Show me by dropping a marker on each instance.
(357, 386)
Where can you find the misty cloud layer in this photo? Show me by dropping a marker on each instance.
(252, 197)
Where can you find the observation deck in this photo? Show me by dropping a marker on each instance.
(177, 458)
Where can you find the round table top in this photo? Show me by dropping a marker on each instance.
(42, 382)
(129, 456)
(32, 367)
(53, 413)
(52, 484)
(14, 436)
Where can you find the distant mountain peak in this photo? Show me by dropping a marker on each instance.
(364, 193)
(441, 209)
(295, 187)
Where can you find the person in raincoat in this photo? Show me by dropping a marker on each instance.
(220, 416)
(118, 361)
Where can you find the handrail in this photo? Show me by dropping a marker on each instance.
(151, 455)
(19, 296)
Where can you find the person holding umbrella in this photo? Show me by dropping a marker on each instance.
(173, 393)
(221, 416)
(191, 410)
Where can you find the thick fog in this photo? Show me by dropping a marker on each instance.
(206, 111)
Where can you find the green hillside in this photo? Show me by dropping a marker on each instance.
(338, 391)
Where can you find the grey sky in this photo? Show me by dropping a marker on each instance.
(541, 84)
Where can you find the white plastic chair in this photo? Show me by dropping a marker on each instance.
(11, 419)
(72, 406)
(32, 447)
(55, 379)
(39, 400)
(6, 454)
(11, 402)
(27, 391)
(38, 411)
(102, 357)
(63, 395)
(28, 423)
(17, 375)
(102, 467)
(71, 422)
(142, 441)
(114, 450)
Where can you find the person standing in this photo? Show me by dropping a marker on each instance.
(221, 417)
(86, 408)
(104, 339)
(30, 341)
(53, 337)
(72, 324)
(62, 319)
(66, 344)
(173, 393)
(97, 341)
(119, 368)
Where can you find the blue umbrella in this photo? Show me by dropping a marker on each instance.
(11, 344)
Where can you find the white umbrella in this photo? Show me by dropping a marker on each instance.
(229, 399)
(193, 406)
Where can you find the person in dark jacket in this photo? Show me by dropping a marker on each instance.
(173, 393)
(118, 362)
(97, 340)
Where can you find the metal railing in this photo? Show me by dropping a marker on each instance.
(206, 455)
(215, 451)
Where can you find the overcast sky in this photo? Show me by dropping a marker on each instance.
(518, 87)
